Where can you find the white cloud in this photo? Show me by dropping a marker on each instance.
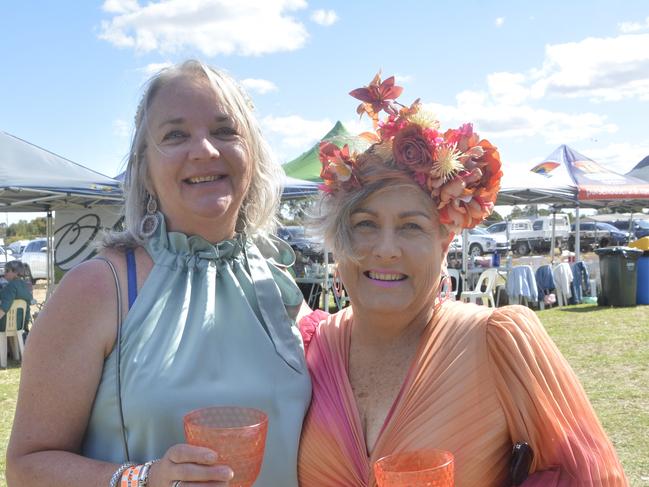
(261, 86)
(629, 27)
(121, 128)
(500, 21)
(602, 69)
(295, 132)
(244, 27)
(508, 88)
(120, 6)
(403, 78)
(620, 157)
(595, 68)
(324, 17)
(499, 120)
(357, 125)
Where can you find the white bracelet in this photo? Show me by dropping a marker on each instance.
(118, 474)
(143, 478)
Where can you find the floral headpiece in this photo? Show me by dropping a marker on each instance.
(460, 171)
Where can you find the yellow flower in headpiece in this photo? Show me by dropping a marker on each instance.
(424, 118)
(447, 162)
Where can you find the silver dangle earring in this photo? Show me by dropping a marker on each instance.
(150, 221)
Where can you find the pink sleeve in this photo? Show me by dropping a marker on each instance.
(309, 324)
(546, 406)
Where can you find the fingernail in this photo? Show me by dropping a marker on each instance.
(211, 457)
(225, 471)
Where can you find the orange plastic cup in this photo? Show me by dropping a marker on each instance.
(420, 468)
(236, 434)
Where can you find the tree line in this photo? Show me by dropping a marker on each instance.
(24, 230)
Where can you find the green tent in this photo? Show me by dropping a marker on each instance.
(307, 165)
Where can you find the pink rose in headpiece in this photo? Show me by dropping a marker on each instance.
(412, 150)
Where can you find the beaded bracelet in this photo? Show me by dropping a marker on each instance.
(143, 480)
(130, 476)
(136, 475)
(118, 474)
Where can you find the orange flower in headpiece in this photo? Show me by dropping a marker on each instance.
(337, 167)
(467, 199)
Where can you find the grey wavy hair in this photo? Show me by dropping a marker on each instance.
(334, 211)
(258, 208)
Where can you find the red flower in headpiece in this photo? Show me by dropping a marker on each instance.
(337, 167)
(376, 96)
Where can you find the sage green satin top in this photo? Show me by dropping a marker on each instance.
(210, 326)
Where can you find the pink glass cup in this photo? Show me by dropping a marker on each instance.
(420, 468)
(236, 434)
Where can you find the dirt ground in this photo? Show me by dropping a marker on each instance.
(40, 291)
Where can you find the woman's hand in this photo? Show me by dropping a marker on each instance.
(194, 465)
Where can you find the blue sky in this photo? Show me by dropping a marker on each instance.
(530, 76)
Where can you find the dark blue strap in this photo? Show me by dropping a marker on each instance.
(132, 277)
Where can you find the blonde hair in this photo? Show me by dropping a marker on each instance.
(259, 206)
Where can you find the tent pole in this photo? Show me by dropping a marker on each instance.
(552, 246)
(50, 255)
(577, 236)
(325, 305)
(465, 259)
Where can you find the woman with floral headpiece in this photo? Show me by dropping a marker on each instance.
(402, 369)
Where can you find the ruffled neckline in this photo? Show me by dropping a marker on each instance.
(192, 248)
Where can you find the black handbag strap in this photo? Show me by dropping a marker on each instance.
(118, 346)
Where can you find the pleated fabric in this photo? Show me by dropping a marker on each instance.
(481, 380)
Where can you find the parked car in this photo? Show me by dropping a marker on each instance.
(480, 242)
(534, 235)
(298, 239)
(639, 228)
(596, 234)
(35, 259)
(18, 247)
(5, 256)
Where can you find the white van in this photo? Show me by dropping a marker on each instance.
(534, 235)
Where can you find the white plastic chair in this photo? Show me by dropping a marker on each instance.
(14, 330)
(487, 280)
(454, 274)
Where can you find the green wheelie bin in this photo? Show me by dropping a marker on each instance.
(618, 270)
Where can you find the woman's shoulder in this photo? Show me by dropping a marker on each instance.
(515, 319)
(83, 305)
(508, 322)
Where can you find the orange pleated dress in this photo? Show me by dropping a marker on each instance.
(481, 380)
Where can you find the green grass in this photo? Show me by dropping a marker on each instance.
(609, 350)
(607, 347)
(9, 379)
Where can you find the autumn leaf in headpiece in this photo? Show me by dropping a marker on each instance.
(337, 167)
(376, 96)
